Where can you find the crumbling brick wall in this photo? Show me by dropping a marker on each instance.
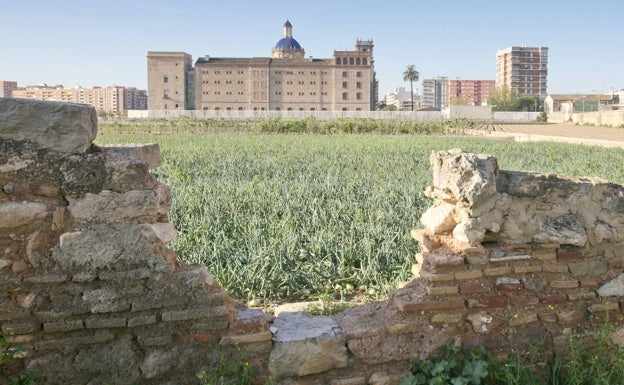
(87, 284)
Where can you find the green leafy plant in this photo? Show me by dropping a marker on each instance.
(236, 370)
(7, 353)
(447, 366)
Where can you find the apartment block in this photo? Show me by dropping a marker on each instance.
(287, 80)
(523, 69)
(7, 88)
(401, 99)
(107, 99)
(435, 93)
(470, 92)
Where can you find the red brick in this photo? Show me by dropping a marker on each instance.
(47, 191)
(557, 268)
(489, 301)
(553, 298)
(568, 255)
(202, 338)
(605, 306)
(573, 317)
(442, 259)
(469, 274)
(494, 271)
(474, 287)
(527, 269)
(579, 295)
(564, 284)
(590, 281)
(524, 301)
(432, 277)
(510, 287)
(547, 317)
(455, 303)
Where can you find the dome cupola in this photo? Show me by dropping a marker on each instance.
(287, 47)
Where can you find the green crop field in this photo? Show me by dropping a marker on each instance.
(284, 217)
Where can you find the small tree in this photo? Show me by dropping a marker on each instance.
(503, 99)
(411, 75)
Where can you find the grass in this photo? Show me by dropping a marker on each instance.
(285, 217)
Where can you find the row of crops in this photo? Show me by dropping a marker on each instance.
(284, 217)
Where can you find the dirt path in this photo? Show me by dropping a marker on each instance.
(561, 132)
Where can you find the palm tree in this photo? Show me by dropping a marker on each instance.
(411, 75)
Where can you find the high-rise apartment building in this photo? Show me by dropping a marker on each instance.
(523, 69)
(107, 99)
(470, 92)
(435, 93)
(288, 80)
(7, 88)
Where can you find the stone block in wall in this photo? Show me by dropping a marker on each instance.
(439, 218)
(385, 378)
(588, 267)
(463, 177)
(613, 288)
(306, 345)
(63, 127)
(147, 152)
(145, 206)
(16, 214)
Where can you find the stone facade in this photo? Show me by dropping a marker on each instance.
(286, 81)
(91, 291)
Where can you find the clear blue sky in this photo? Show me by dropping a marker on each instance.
(94, 42)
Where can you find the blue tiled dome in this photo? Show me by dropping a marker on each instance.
(287, 43)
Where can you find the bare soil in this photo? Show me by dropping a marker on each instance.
(558, 132)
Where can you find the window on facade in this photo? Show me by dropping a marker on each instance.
(229, 108)
(358, 74)
(358, 96)
(344, 61)
(358, 109)
(166, 79)
(323, 109)
(277, 108)
(240, 108)
(344, 109)
(166, 107)
(345, 84)
(289, 109)
(300, 108)
(344, 96)
(364, 61)
(312, 109)
(216, 108)
(344, 74)
(358, 85)
(338, 62)
(165, 93)
(351, 61)
(357, 61)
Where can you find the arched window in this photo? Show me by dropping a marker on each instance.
(351, 61)
(338, 61)
(365, 61)
(357, 61)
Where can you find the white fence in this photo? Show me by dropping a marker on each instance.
(319, 115)
(476, 113)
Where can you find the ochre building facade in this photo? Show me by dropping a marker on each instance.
(286, 81)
